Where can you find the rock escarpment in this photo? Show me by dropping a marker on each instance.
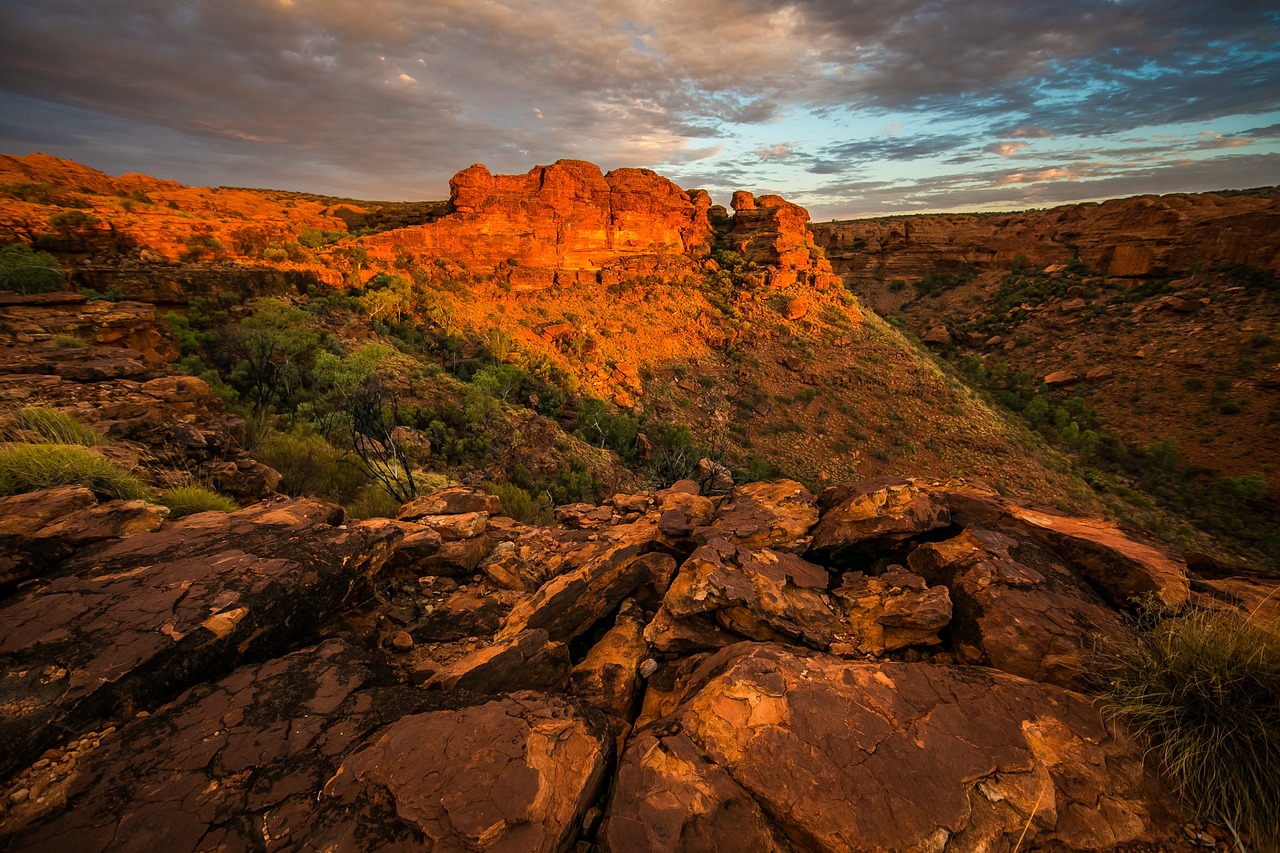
(1140, 237)
(882, 666)
(107, 365)
(559, 222)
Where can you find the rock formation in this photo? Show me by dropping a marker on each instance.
(771, 231)
(1139, 237)
(888, 665)
(559, 222)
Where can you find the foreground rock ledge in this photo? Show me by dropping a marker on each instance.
(314, 751)
(777, 749)
(135, 623)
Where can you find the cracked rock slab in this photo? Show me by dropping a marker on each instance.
(139, 620)
(846, 756)
(517, 774)
(876, 512)
(764, 515)
(314, 751)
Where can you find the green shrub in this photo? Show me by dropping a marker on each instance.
(309, 465)
(517, 503)
(372, 501)
(57, 427)
(188, 500)
(1201, 691)
(29, 467)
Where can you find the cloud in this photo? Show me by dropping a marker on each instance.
(1005, 149)
(781, 151)
(390, 97)
(984, 190)
(1051, 174)
(898, 147)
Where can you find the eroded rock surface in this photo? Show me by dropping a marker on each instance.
(135, 622)
(833, 755)
(316, 751)
(777, 672)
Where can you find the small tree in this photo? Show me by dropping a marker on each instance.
(373, 408)
(74, 225)
(272, 352)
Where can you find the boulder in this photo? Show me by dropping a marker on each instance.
(846, 756)
(451, 501)
(457, 558)
(939, 335)
(1018, 607)
(420, 542)
(609, 676)
(570, 603)
(247, 479)
(892, 611)
(764, 515)
(451, 528)
(23, 553)
(1122, 567)
(518, 773)
(583, 516)
(762, 595)
(528, 660)
(875, 513)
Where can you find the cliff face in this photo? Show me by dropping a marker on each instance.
(1141, 237)
(773, 232)
(565, 217)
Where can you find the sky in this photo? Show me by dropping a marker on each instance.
(849, 107)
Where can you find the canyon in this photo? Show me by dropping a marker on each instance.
(700, 551)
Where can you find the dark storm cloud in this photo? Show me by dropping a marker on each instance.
(1092, 66)
(389, 97)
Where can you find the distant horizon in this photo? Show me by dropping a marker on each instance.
(724, 202)
(850, 108)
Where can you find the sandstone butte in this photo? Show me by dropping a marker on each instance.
(569, 223)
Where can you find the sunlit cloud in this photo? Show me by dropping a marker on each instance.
(1006, 149)
(872, 98)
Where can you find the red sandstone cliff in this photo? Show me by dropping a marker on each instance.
(772, 231)
(1140, 237)
(565, 217)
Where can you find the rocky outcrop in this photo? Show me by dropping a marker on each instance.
(773, 232)
(316, 751)
(183, 283)
(778, 750)
(41, 317)
(1140, 237)
(897, 684)
(145, 617)
(107, 365)
(562, 220)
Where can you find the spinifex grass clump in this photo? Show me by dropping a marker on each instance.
(28, 467)
(188, 500)
(1203, 691)
(58, 427)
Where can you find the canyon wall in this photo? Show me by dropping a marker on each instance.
(1140, 237)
